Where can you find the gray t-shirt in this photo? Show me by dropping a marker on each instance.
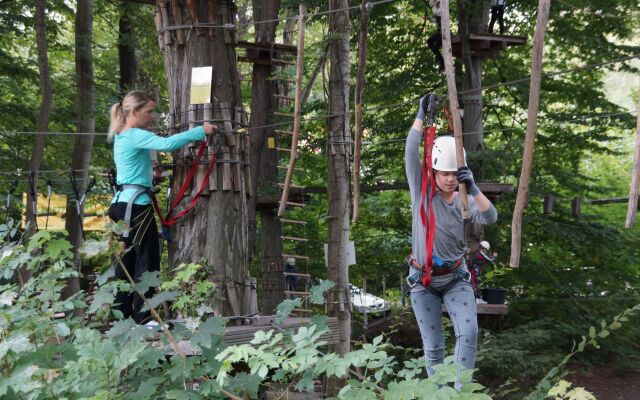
(450, 242)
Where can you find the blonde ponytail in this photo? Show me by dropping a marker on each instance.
(117, 121)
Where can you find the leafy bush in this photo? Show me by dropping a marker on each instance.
(46, 351)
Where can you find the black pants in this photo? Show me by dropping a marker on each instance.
(497, 13)
(435, 44)
(143, 255)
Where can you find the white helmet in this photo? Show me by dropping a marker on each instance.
(443, 154)
(485, 245)
(291, 260)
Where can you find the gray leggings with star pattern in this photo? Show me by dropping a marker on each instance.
(461, 304)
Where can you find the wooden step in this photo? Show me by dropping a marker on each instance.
(292, 186)
(294, 238)
(283, 149)
(286, 167)
(295, 256)
(293, 204)
(292, 221)
(280, 132)
(291, 292)
(296, 274)
(283, 62)
(283, 97)
(281, 114)
(302, 311)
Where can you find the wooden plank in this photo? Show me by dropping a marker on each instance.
(530, 135)
(268, 47)
(212, 9)
(158, 21)
(295, 256)
(292, 221)
(228, 126)
(297, 239)
(165, 21)
(296, 274)
(176, 10)
(488, 309)
(226, 170)
(211, 150)
(237, 115)
(297, 109)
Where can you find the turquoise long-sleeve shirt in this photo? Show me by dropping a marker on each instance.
(132, 155)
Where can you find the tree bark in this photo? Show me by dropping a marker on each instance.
(530, 135)
(264, 172)
(360, 82)
(85, 98)
(338, 188)
(126, 51)
(216, 231)
(635, 177)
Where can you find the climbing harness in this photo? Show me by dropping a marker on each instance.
(428, 180)
(168, 220)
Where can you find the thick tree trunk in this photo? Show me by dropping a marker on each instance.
(45, 105)
(126, 51)
(264, 172)
(86, 124)
(338, 190)
(216, 231)
(472, 18)
(43, 123)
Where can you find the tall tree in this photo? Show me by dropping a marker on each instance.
(338, 148)
(45, 107)
(126, 50)
(217, 229)
(85, 103)
(264, 172)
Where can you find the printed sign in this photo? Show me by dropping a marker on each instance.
(201, 85)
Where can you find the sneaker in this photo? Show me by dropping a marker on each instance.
(480, 301)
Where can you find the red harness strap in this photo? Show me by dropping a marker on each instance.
(429, 224)
(168, 220)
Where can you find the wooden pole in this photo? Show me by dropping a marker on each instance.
(530, 135)
(297, 110)
(453, 99)
(362, 62)
(635, 176)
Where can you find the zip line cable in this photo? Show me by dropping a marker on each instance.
(210, 25)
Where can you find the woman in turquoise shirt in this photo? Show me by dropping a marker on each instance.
(132, 146)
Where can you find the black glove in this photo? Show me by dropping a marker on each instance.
(466, 176)
(422, 108)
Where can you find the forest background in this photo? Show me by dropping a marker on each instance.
(575, 271)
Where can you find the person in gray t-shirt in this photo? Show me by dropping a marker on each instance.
(450, 246)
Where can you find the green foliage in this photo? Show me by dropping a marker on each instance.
(122, 362)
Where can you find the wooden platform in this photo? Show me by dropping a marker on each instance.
(485, 44)
(488, 309)
(243, 334)
(266, 53)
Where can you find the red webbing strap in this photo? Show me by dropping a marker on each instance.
(168, 220)
(428, 179)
